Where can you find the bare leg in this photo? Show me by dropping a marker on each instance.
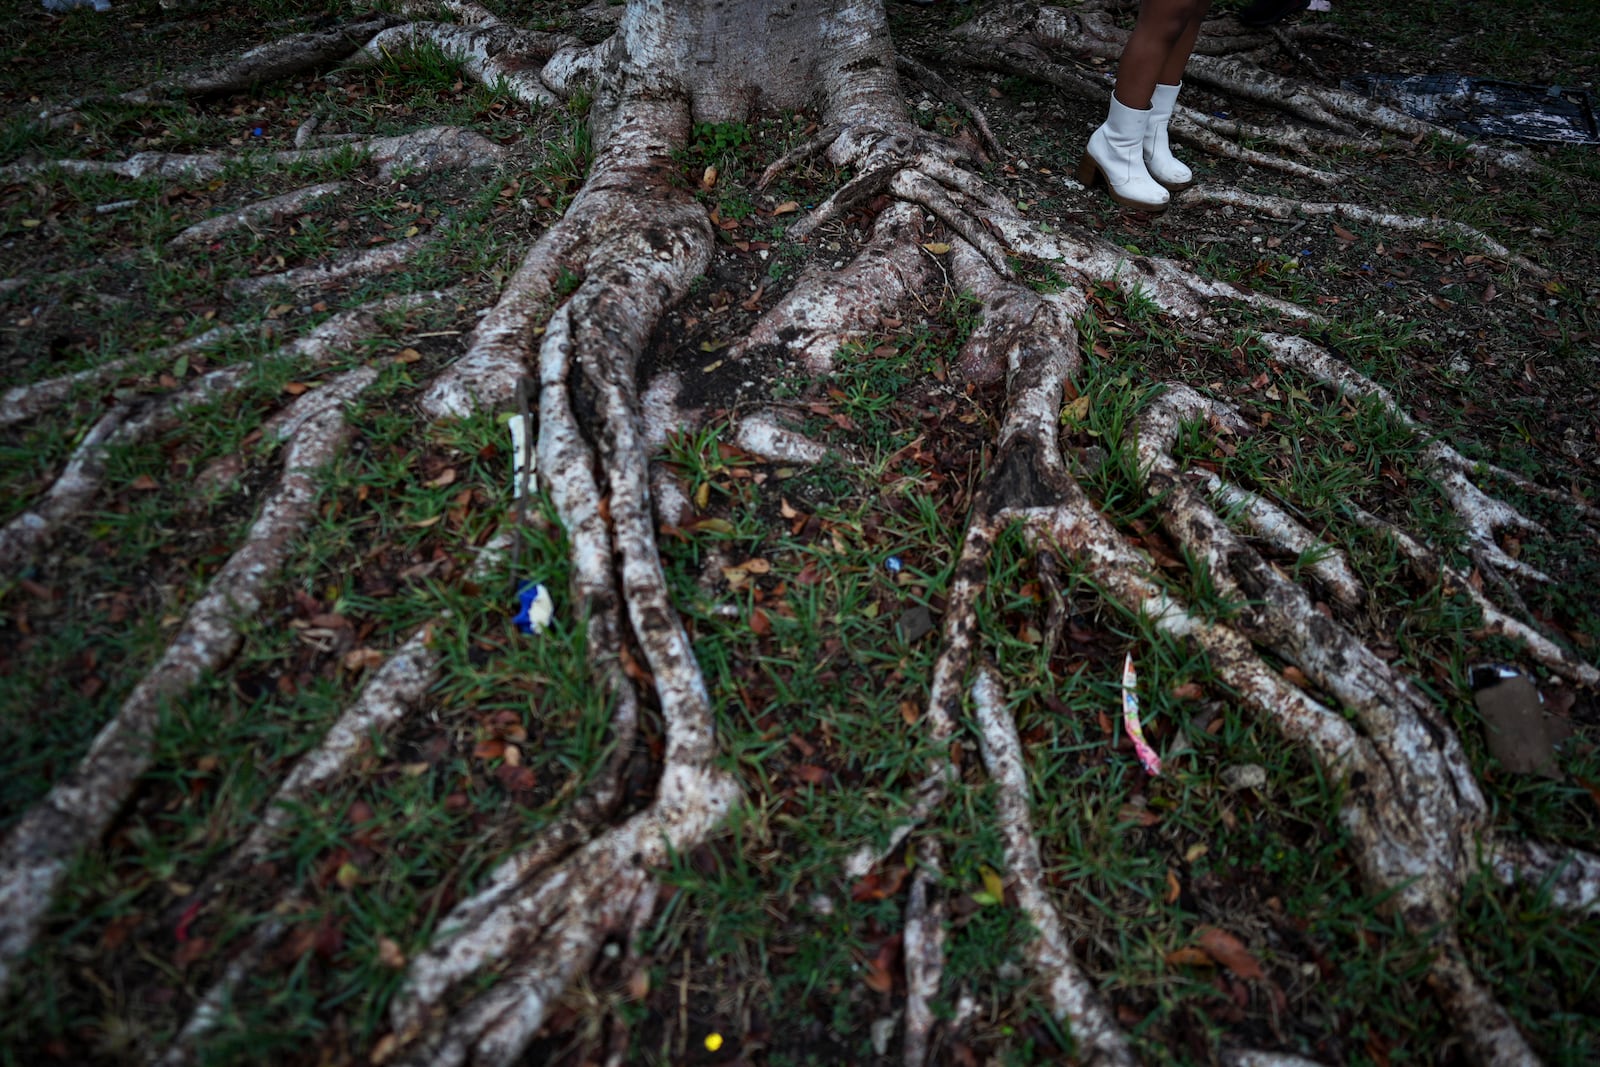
(1158, 49)
(1178, 58)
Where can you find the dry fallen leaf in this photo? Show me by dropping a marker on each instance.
(788, 207)
(1229, 951)
(359, 658)
(938, 248)
(1189, 956)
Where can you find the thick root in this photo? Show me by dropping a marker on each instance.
(1072, 997)
(78, 809)
(218, 226)
(423, 150)
(1280, 208)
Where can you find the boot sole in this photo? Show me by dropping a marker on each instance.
(1089, 173)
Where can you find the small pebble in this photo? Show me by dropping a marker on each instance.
(1244, 776)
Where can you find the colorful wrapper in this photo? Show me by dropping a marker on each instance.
(1130, 718)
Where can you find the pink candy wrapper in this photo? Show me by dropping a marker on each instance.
(1130, 718)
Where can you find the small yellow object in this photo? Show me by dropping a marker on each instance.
(713, 1042)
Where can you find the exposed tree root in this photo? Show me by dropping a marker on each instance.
(924, 952)
(1571, 877)
(1275, 526)
(958, 644)
(762, 434)
(1481, 515)
(1190, 127)
(1337, 109)
(1167, 283)
(1303, 140)
(491, 53)
(397, 687)
(281, 58)
(355, 266)
(422, 150)
(1072, 997)
(78, 809)
(1495, 621)
(936, 85)
(29, 401)
(828, 309)
(274, 206)
(78, 481)
(130, 421)
(541, 927)
(1281, 208)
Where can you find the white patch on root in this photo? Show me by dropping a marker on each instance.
(78, 809)
(1256, 1058)
(763, 434)
(1072, 996)
(660, 411)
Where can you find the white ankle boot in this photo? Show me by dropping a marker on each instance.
(1116, 153)
(1158, 158)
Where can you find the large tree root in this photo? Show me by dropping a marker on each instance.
(540, 927)
(281, 58)
(1071, 995)
(218, 226)
(355, 266)
(829, 309)
(126, 424)
(1482, 516)
(22, 402)
(1413, 809)
(78, 809)
(490, 53)
(1278, 207)
(420, 151)
(394, 690)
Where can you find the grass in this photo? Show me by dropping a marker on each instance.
(782, 577)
